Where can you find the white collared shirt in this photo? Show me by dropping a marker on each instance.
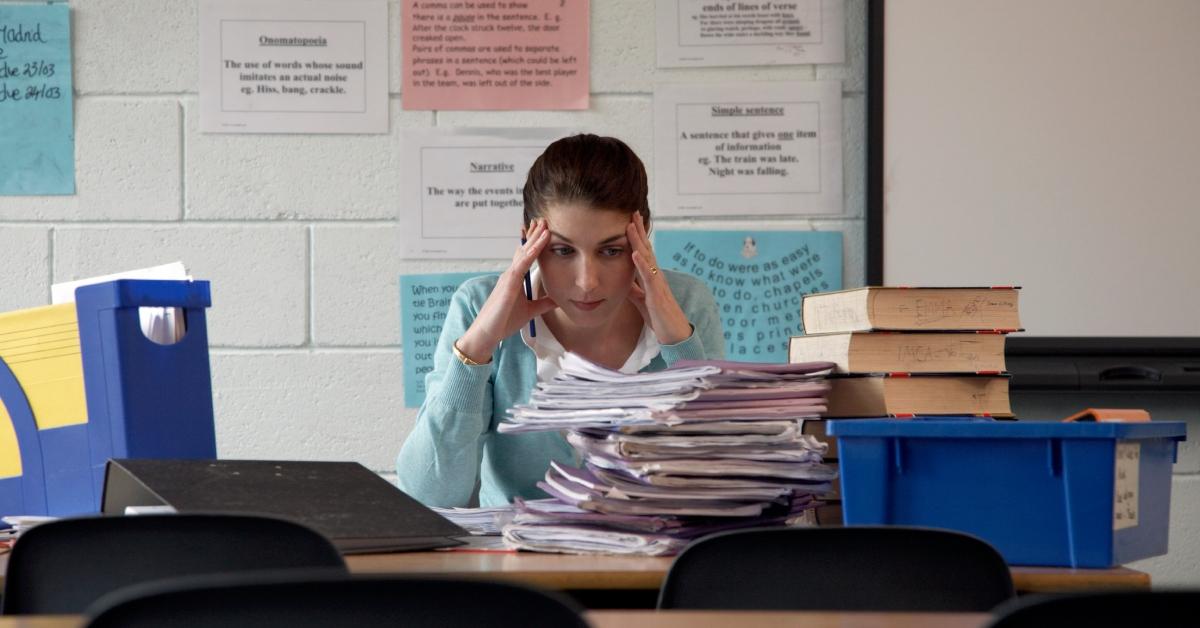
(549, 350)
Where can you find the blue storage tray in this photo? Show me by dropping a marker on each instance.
(1042, 493)
(143, 400)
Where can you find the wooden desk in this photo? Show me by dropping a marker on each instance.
(550, 571)
(1062, 579)
(561, 571)
(41, 621)
(787, 619)
(681, 619)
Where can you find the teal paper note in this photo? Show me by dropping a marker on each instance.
(423, 303)
(758, 278)
(37, 128)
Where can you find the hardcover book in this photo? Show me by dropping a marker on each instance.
(894, 394)
(912, 352)
(912, 309)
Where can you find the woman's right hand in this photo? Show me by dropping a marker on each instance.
(507, 309)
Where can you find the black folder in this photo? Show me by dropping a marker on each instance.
(358, 510)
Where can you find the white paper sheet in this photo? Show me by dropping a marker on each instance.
(693, 33)
(1125, 485)
(748, 148)
(462, 190)
(276, 66)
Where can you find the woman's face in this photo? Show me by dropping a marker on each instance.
(586, 268)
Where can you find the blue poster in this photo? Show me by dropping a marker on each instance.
(37, 129)
(424, 300)
(758, 278)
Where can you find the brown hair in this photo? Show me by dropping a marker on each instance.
(601, 172)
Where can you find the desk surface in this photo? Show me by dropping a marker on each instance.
(682, 619)
(791, 619)
(561, 571)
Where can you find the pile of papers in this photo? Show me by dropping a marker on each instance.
(672, 455)
(478, 521)
(13, 527)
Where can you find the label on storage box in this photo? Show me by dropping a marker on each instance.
(1125, 492)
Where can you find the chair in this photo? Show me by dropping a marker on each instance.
(62, 566)
(1112, 608)
(301, 600)
(851, 568)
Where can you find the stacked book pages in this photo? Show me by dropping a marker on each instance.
(911, 351)
(668, 456)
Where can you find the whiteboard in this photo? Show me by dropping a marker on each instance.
(1052, 145)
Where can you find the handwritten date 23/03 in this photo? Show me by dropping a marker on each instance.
(32, 69)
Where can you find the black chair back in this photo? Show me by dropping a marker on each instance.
(301, 601)
(851, 568)
(1114, 608)
(62, 566)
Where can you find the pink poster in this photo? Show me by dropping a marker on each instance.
(495, 54)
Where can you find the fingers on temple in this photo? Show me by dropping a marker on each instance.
(538, 236)
(637, 239)
(643, 236)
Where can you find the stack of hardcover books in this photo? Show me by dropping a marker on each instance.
(672, 455)
(903, 352)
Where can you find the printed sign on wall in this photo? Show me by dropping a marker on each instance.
(273, 66)
(424, 300)
(758, 278)
(693, 33)
(462, 190)
(748, 148)
(37, 126)
(498, 54)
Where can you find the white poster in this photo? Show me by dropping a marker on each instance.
(748, 148)
(278, 66)
(695, 33)
(463, 190)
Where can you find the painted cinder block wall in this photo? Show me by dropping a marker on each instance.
(300, 234)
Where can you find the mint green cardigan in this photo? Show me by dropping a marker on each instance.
(455, 443)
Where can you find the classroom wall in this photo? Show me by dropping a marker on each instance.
(299, 233)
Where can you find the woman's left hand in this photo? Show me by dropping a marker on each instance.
(650, 293)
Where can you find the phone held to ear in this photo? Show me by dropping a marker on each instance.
(529, 296)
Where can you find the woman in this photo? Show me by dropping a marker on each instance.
(598, 292)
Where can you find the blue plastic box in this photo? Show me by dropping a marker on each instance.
(143, 399)
(1056, 494)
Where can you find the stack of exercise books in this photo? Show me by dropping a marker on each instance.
(485, 521)
(904, 352)
(668, 456)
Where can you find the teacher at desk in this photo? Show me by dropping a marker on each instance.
(597, 291)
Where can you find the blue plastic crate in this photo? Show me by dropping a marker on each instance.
(143, 399)
(1042, 493)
